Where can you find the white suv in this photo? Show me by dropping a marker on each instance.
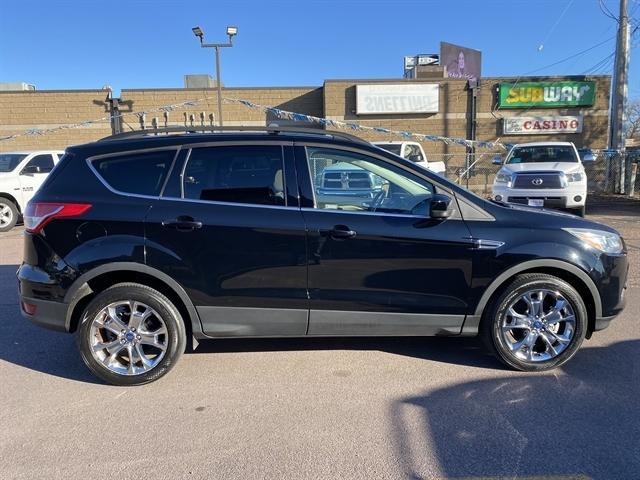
(21, 174)
(543, 174)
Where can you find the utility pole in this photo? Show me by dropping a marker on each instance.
(619, 100)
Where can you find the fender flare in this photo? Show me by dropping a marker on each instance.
(472, 322)
(80, 289)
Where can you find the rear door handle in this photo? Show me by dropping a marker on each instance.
(183, 224)
(341, 232)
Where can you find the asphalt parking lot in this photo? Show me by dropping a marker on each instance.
(317, 408)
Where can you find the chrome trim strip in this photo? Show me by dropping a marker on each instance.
(331, 210)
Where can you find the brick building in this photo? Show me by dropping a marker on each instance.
(336, 99)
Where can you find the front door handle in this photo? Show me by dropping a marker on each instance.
(341, 232)
(183, 223)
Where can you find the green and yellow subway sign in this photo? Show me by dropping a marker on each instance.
(547, 94)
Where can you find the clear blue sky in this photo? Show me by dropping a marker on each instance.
(148, 43)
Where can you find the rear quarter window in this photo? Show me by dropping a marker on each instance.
(136, 173)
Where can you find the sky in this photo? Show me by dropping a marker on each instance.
(72, 44)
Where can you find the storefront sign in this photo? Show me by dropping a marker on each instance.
(542, 125)
(547, 94)
(381, 99)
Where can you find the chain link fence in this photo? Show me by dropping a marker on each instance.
(477, 171)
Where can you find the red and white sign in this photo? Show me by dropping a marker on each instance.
(543, 125)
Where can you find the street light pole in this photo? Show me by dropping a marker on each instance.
(231, 32)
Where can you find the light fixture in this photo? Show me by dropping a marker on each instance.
(231, 31)
(197, 31)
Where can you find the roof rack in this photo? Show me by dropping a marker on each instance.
(212, 129)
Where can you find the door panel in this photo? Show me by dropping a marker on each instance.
(234, 259)
(378, 265)
(392, 264)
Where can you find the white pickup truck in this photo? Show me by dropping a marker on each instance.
(21, 174)
(414, 152)
(543, 174)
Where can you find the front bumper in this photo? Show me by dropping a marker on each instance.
(552, 197)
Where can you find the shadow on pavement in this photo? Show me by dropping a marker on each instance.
(452, 350)
(33, 347)
(582, 419)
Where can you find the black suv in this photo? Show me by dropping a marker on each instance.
(145, 244)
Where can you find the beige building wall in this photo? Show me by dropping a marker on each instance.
(336, 100)
(24, 110)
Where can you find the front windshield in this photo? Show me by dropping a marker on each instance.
(542, 153)
(9, 161)
(394, 148)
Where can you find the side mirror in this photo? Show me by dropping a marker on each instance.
(497, 160)
(415, 158)
(440, 207)
(589, 157)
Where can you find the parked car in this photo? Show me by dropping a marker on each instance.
(144, 245)
(343, 184)
(413, 152)
(543, 174)
(21, 174)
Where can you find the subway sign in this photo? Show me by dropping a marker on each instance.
(547, 94)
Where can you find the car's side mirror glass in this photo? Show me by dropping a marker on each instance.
(415, 158)
(497, 160)
(588, 157)
(441, 206)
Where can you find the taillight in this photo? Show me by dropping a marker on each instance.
(38, 214)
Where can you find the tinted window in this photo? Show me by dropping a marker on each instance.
(236, 174)
(395, 148)
(40, 164)
(9, 161)
(351, 181)
(142, 173)
(542, 153)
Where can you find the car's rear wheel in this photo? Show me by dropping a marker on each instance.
(131, 334)
(8, 214)
(537, 323)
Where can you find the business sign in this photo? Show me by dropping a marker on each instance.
(394, 98)
(461, 62)
(543, 125)
(547, 94)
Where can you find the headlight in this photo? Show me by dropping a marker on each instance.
(574, 177)
(606, 242)
(503, 178)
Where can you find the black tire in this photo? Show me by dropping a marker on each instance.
(175, 339)
(581, 211)
(13, 214)
(490, 328)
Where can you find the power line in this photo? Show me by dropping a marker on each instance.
(606, 11)
(571, 56)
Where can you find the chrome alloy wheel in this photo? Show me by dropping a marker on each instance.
(6, 215)
(538, 325)
(128, 337)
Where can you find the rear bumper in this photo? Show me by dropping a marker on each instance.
(48, 314)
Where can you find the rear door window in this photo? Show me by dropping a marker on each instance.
(250, 174)
(136, 173)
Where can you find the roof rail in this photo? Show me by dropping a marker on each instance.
(212, 129)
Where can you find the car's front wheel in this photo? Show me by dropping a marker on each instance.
(537, 323)
(131, 334)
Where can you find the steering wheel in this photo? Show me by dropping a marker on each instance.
(377, 200)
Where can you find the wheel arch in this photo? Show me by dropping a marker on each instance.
(577, 277)
(98, 279)
(13, 199)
